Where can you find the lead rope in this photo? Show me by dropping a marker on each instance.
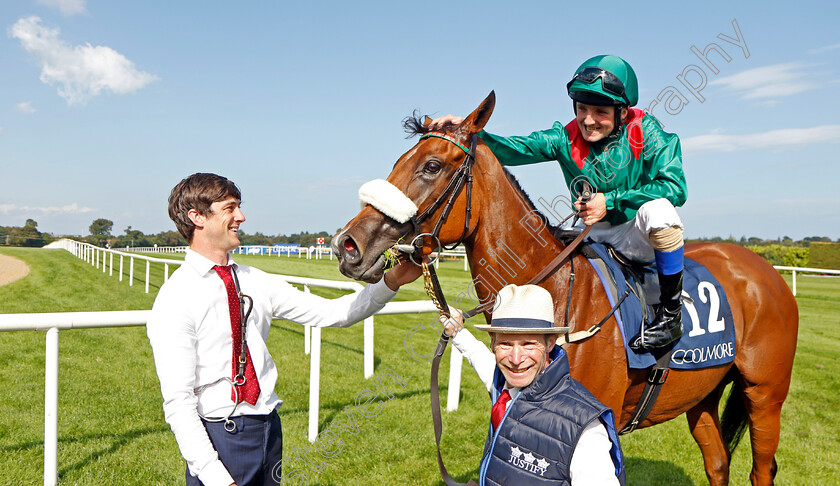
(433, 290)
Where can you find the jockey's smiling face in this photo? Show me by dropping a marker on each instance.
(521, 357)
(596, 122)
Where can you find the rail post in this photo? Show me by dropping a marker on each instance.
(368, 357)
(51, 408)
(314, 379)
(307, 340)
(453, 396)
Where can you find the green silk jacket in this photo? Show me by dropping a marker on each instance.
(641, 164)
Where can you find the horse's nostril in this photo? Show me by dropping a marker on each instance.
(350, 245)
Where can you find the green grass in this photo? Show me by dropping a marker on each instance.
(111, 428)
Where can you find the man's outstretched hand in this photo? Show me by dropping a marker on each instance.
(405, 272)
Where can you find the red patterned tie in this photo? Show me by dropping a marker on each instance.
(251, 390)
(499, 409)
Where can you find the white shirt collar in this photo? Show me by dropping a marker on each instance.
(512, 390)
(201, 263)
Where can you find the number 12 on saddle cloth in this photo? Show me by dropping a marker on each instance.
(708, 333)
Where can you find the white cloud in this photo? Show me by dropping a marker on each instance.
(82, 71)
(25, 108)
(44, 210)
(769, 81)
(789, 138)
(822, 49)
(67, 7)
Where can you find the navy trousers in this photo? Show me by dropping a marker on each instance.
(252, 453)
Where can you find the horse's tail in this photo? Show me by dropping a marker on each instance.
(734, 421)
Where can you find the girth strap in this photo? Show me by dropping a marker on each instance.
(657, 376)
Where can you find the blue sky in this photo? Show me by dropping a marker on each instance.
(106, 105)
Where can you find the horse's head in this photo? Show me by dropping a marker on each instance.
(427, 193)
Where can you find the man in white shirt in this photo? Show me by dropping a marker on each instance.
(218, 388)
(546, 428)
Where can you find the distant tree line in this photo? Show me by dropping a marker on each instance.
(779, 251)
(786, 252)
(101, 234)
(26, 235)
(753, 241)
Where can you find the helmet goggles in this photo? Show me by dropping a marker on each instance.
(609, 81)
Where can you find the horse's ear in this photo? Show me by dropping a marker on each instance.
(426, 121)
(478, 118)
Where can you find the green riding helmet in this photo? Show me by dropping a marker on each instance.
(604, 80)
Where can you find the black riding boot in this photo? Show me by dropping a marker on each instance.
(667, 323)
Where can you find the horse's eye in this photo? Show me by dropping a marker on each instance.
(431, 167)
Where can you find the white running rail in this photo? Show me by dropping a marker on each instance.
(53, 322)
(793, 271)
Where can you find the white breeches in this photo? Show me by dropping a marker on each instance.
(632, 239)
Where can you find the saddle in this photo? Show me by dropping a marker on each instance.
(631, 288)
(709, 336)
(645, 281)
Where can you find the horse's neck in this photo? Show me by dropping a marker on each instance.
(512, 242)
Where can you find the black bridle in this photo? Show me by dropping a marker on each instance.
(462, 177)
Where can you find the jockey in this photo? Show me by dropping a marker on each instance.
(635, 169)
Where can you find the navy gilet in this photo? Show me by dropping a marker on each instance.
(541, 428)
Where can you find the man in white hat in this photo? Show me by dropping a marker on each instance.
(546, 428)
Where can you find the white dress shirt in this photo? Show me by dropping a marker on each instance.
(592, 452)
(190, 334)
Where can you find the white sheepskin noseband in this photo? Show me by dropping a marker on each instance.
(387, 199)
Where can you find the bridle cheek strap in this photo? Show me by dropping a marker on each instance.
(392, 202)
(463, 177)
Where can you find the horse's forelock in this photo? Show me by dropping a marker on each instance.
(413, 125)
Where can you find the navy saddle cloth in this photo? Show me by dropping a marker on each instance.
(708, 334)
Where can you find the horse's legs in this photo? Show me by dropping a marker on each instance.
(765, 410)
(704, 423)
(766, 382)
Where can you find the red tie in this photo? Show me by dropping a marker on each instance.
(499, 409)
(251, 390)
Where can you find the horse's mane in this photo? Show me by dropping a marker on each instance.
(515, 183)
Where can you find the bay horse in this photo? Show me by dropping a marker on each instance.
(498, 218)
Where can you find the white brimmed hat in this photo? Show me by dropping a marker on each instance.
(523, 309)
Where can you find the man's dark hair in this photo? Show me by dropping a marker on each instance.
(198, 192)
